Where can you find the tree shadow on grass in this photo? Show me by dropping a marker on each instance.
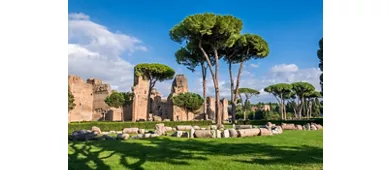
(179, 152)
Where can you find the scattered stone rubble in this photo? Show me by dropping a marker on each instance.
(188, 131)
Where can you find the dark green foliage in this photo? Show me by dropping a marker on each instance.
(217, 30)
(116, 99)
(279, 89)
(154, 71)
(279, 122)
(128, 96)
(118, 126)
(71, 104)
(191, 56)
(248, 91)
(320, 55)
(247, 46)
(302, 88)
(189, 101)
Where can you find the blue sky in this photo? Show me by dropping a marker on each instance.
(107, 38)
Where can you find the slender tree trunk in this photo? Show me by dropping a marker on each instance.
(284, 110)
(215, 80)
(237, 86)
(232, 97)
(310, 108)
(216, 84)
(204, 69)
(300, 105)
(295, 112)
(149, 105)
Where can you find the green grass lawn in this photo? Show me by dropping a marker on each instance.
(290, 150)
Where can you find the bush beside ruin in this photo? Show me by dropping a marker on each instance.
(119, 126)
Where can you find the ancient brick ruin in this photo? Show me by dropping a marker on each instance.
(89, 100)
(90, 105)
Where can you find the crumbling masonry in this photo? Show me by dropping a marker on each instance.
(90, 105)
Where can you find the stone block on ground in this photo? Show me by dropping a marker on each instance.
(299, 127)
(213, 127)
(105, 133)
(213, 133)
(319, 127)
(154, 135)
(141, 131)
(307, 126)
(130, 130)
(147, 135)
(96, 129)
(196, 127)
(192, 132)
(168, 129)
(112, 132)
(203, 129)
(225, 134)
(276, 130)
(183, 127)
(167, 120)
(313, 127)
(248, 132)
(218, 133)
(203, 134)
(233, 133)
(265, 132)
(119, 132)
(159, 129)
(289, 126)
(157, 118)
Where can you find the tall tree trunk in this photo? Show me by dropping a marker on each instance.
(204, 69)
(215, 80)
(281, 107)
(295, 112)
(238, 83)
(310, 108)
(300, 105)
(232, 97)
(216, 85)
(285, 110)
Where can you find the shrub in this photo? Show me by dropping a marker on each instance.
(279, 122)
(118, 126)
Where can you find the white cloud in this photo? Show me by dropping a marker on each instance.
(279, 73)
(254, 65)
(94, 51)
(285, 68)
(78, 16)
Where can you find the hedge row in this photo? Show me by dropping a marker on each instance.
(279, 122)
(118, 126)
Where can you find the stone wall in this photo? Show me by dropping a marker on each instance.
(223, 105)
(83, 99)
(140, 102)
(89, 100)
